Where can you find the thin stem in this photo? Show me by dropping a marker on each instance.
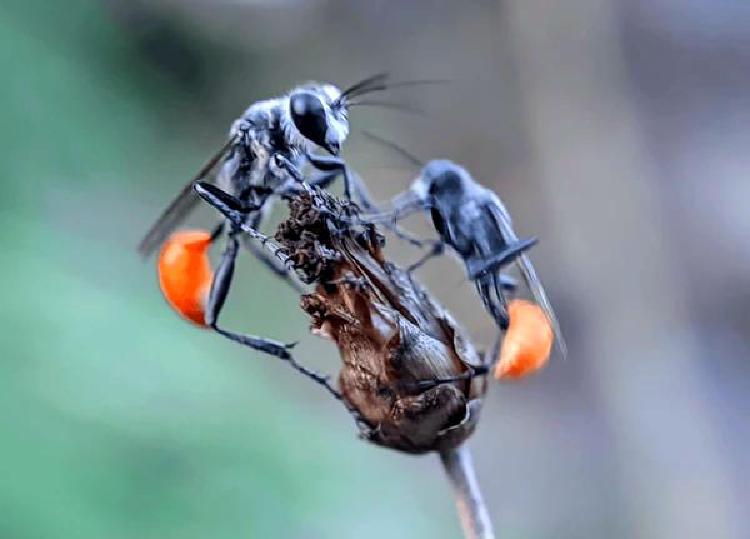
(472, 512)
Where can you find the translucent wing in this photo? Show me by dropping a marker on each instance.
(504, 224)
(180, 207)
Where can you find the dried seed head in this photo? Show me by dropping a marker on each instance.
(389, 331)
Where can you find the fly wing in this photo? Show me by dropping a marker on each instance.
(502, 219)
(476, 238)
(185, 201)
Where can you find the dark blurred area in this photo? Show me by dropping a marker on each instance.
(615, 130)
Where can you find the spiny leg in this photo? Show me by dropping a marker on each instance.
(472, 372)
(392, 224)
(223, 278)
(497, 305)
(220, 287)
(407, 236)
(500, 292)
(218, 229)
(490, 284)
(331, 166)
(325, 381)
(390, 221)
(493, 354)
(218, 295)
(324, 179)
(231, 208)
(221, 281)
(238, 213)
(351, 179)
(279, 269)
(489, 359)
(282, 351)
(352, 182)
(360, 189)
(480, 266)
(329, 163)
(507, 283)
(437, 249)
(276, 349)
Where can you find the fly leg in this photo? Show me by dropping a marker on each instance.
(321, 179)
(507, 283)
(324, 179)
(218, 295)
(472, 372)
(437, 249)
(237, 213)
(406, 236)
(492, 355)
(222, 282)
(255, 218)
(331, 168)
(352, 182)
(494, 302)
(225, 272)
(478, 267)
(392, 224)
(390, 220)
(490, 284)
(489, 358)
(330, 163)
(267, 259)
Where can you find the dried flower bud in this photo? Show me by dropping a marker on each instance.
(391, 335)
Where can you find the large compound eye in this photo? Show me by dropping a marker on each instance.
(309, 116)
(445, 183)
(441, 176)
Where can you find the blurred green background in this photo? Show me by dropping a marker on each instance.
(613, 130)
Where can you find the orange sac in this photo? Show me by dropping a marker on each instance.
(528, 342)
(185, 273)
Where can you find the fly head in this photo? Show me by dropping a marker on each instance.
(320, 116)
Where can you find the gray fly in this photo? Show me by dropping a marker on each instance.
(292, 129)
(474, 222)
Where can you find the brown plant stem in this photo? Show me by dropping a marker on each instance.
(472, 512)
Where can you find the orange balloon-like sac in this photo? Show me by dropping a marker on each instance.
(185, 273)
(528, 342)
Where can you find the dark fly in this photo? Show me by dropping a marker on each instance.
(288, 129)
(473, 222)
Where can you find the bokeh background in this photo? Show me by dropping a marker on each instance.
(615, 130)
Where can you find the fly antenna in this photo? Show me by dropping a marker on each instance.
(402, 107)
(379, 83)
(394, 147)
(413, 82)
(373, 81)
